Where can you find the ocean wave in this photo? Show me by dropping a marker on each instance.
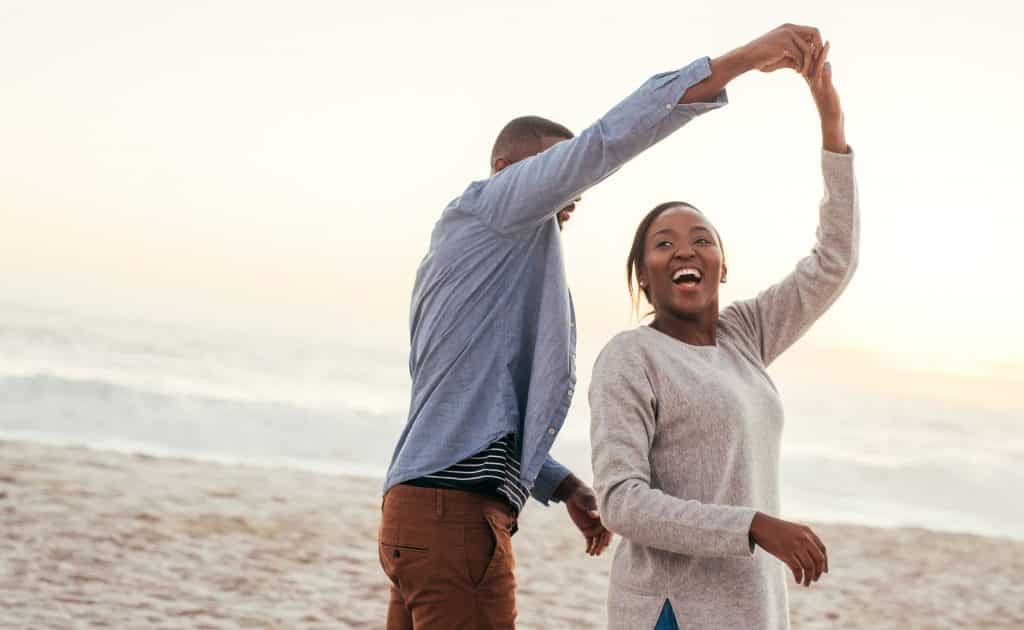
(89, 410)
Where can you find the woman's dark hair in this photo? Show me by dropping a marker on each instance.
(635, 261)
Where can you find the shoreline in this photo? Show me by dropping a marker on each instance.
(134, 540)
(376, 474)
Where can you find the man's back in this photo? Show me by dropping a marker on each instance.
(489, 314)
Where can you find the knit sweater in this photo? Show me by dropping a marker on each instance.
(686, 443)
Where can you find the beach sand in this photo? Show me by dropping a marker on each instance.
(99, 539)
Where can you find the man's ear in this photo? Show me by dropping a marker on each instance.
(499, 164)
(725, 272)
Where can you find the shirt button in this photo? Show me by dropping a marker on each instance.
(551, 431)
(571, 391)
(668, 107)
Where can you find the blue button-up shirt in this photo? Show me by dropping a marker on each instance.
(493, 334)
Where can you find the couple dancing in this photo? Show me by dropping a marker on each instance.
(686, 423)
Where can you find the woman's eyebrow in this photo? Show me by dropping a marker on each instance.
(701, 228)
(665, 230)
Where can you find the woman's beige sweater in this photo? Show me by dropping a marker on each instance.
(686, 443)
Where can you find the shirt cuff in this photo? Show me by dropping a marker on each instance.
(690, 76)
(548, 479)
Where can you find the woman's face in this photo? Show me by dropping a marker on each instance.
(683, 263)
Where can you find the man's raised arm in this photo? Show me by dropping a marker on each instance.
(525, 193)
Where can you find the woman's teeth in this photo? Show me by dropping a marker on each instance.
(686, 275)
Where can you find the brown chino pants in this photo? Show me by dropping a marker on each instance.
(449, 557)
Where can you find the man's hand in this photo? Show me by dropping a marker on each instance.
(827, 101)
(566, 213)
(794, 544)
(581, 504)
(789, 46)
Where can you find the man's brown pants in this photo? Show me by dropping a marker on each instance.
(448, 554)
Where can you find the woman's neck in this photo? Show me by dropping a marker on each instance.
(696, 329)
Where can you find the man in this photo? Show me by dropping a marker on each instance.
(492, 353)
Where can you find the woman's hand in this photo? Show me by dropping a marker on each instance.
(794, 544)
(827, 100)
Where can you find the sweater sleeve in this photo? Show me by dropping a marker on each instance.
(782, 313)
(624, 412)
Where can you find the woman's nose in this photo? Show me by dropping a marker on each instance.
(684, 251)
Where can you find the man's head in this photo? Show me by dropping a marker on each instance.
(524, 137)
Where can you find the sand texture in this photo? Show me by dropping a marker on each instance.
(93, 539)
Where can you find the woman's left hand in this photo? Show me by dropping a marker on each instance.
(827, 100)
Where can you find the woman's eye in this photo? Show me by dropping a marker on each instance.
(703, 241)
(664, 244)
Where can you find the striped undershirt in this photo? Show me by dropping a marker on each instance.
(493, 471)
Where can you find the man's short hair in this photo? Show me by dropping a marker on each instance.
(522, 136)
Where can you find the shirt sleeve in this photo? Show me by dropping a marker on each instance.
(548, 479)
(623, 424)
(533, 190)
(781, 314)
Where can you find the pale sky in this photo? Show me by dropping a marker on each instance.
(281, 164)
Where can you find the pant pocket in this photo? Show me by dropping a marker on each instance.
(490, 560)
(399, 560)
(481, 545)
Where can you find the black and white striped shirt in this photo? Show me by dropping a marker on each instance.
(493, 471)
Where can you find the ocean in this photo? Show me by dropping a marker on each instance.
(337, 406)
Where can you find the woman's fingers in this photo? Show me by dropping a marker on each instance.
(819, 64)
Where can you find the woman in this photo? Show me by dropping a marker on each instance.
(686, 423)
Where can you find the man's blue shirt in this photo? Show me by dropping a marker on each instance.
(493, 332)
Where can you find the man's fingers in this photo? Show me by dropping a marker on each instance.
(808, 33)
(788, 60)
(821, 547)
(819, 560)
(806, 55)
(810, 569)
(806, 568)
(593, 514)
(794, 566)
